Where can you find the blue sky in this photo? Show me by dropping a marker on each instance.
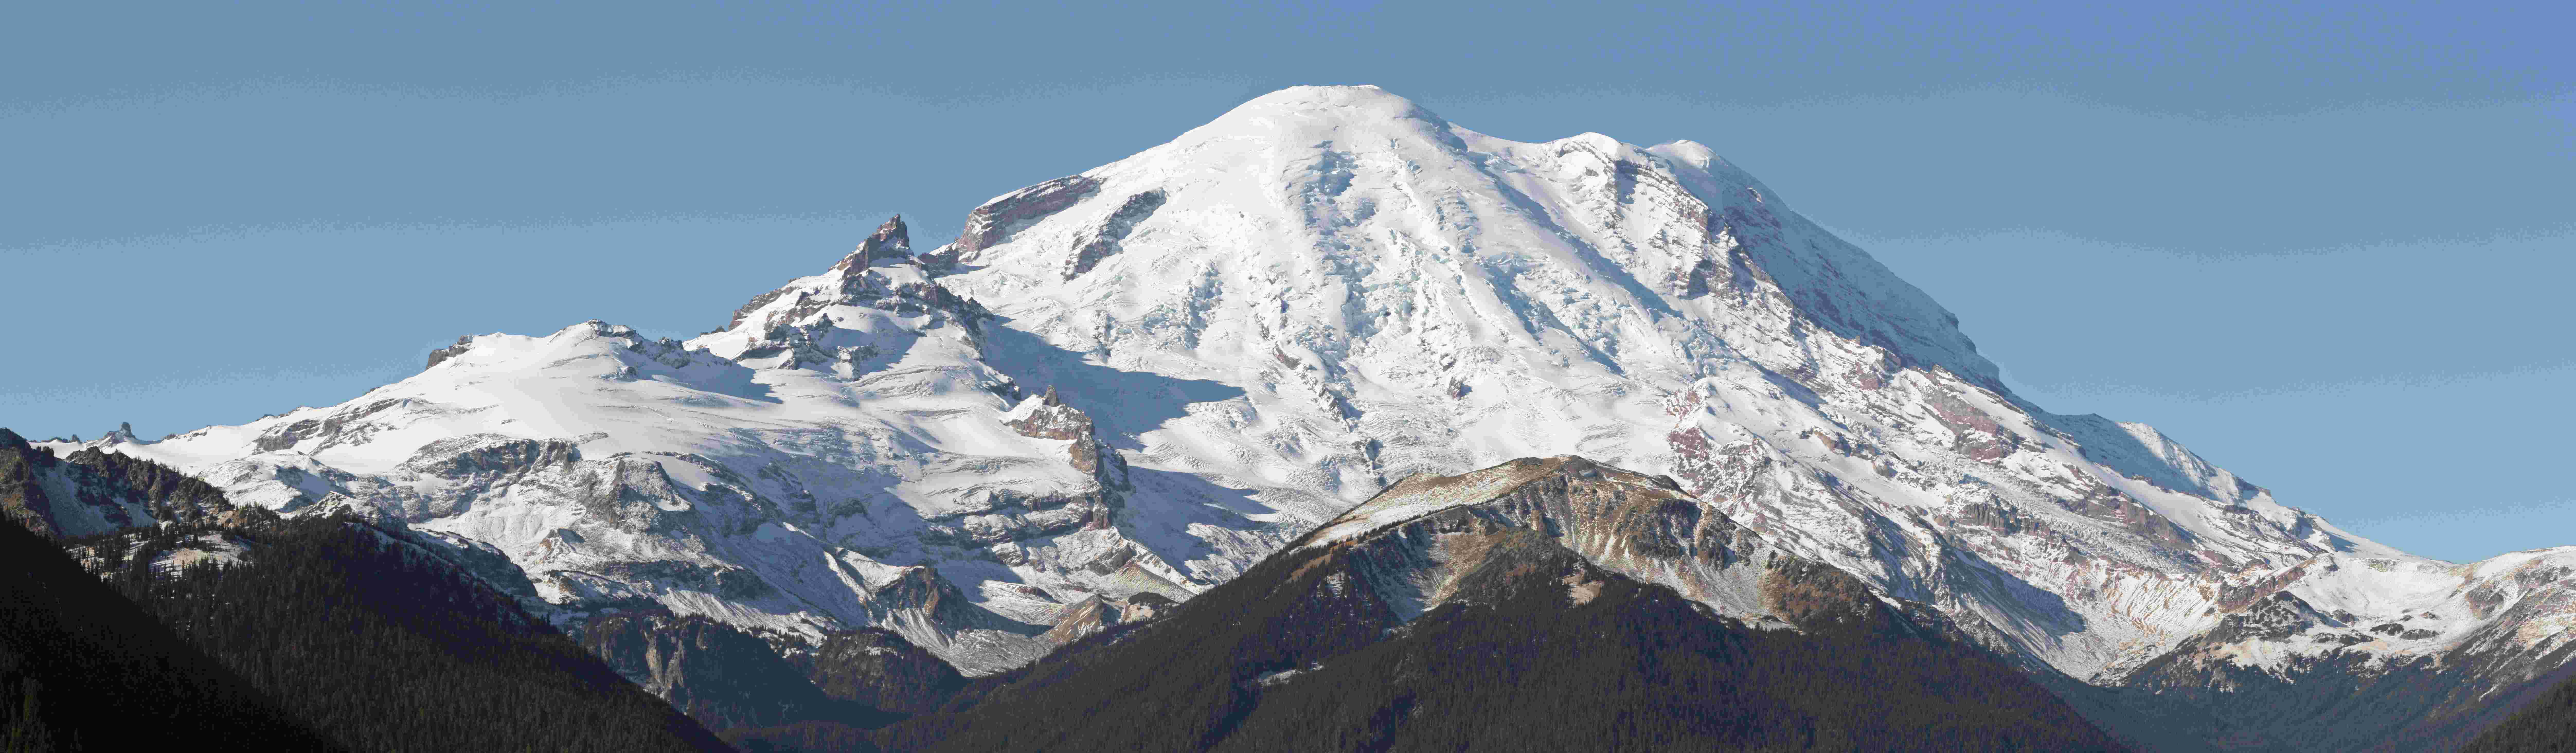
(2324, 245)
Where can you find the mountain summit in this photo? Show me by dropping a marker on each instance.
(1127, 386)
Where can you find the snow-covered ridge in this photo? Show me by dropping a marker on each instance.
(839, 456)
(1425, 494)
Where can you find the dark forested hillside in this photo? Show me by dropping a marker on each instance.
(82, 669)
(720, 676)
(1548, 653)
(2547, 723)
(876, 676)
(385, 645)
(879, 668)
(95, 492)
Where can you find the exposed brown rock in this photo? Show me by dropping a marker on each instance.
(889, 240)
(1811, 595)
(997, 219)
(1100, 242)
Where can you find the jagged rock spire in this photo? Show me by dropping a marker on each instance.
(890, 238)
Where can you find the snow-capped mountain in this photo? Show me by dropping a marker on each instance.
(1144, 378)
(840, 456)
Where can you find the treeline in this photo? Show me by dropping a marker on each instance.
(724, 678)
(876, 676)
(84, 669)
(1285, 658)
(2547, 724)
(385, 646)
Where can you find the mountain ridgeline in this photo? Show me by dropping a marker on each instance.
(1476, 628)
(79, 662)
(2547, 723)
(323, 632)
(1329, 424)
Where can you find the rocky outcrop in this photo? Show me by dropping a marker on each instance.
(718, 675)
(23, 470)
(877, 667)
(482, 456)
(995, 221)
(1810, 595)
(1096, 613)
(1053, 419)
(891, 241)
(93, 492)
(1007, 516)
(326, 428)
(439, 356)
(875, 302)
(1634, 523)
(1100, 242)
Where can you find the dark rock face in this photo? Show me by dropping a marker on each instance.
(1811, 595)
(998, 219)
(2102, 502)
(631, 492)
(757, 301)
(441, 355)
(2273, 618)
(97, 492)
(1012, 516)
(327, 428)
(796, 332)
(874, 666)
(1101, 242)
(1097, 613)
(485, 455)
(1055, 420)
(172, 496)
(22, 491)
(920, 590)
(729, 582)
(719, 676)
(891, 239)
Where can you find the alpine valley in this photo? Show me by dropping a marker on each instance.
(1333, 425)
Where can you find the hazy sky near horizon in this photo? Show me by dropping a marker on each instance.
(2326, 246)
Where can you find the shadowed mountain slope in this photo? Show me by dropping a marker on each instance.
(82, 668)
(382, 643)
(1526, 644)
